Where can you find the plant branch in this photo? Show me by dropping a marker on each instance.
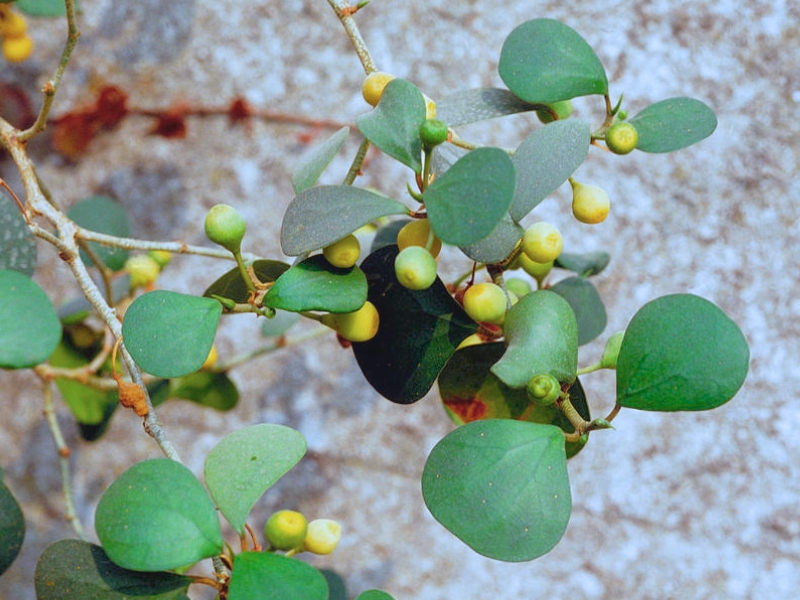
(345, 13)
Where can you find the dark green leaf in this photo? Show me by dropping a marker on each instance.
(393, 125)
(584, 265)
(325, 214)
(215, 390)
(12, 527)
(310, 167)
(231, 285)
(498, 245)
(17, 245)
(316, 285)
(374, 595)
(673, 124)
(470, 106)
(545, 160)
(336, 586)
(157, 516)
(88, 405)
(275, 577)
(468, 201)
(246, 463)
(170, 334)
(680, 352)
(387, 234)
(541, 333)
(546, 61)
(585, 301)
(29, 327)
(418, 332)
(501, 486)
(77, 570)
(103, 215)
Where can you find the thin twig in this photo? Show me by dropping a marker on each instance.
(345, 13)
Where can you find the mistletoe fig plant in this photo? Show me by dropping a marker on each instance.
(503, 352)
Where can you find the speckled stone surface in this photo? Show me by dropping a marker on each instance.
(665, 506)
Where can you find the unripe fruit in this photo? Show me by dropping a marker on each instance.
(518, 287)
(590, 203)
(162, 257)
(536, 270)
(344, 253)
(225, 226)
(416, 233)
(211, 359)
(323, 536)
(357, 326)
(544, 389)
(286, 529)
(622, 137)
(542, 242)
(17, 49)
(562, 108)
(143, 270)
(432, 132)
(12, 24)
(486, 303)
(415, 268)
(373, 86)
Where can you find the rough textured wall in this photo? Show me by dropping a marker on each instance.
(665, 506)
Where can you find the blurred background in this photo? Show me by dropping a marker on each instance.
(665, 506)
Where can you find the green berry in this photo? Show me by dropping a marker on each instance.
(225, 226)
(357, 326)
(344, 253)
(143, 270)
(536, 270)
(622, 137)
(544, 389)
(415, 268)
(323, 536)
(542, 242)
(562, 108)
(518, 286)
(286, 529)
(432, 132)
(590, 203)
(486, 303)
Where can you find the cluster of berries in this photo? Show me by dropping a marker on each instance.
(17, 45)
(289, 530)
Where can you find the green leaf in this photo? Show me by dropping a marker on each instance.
(321, 215)
(170, 334)
(246, 463)
(498, 245)
(103, 215)
(336, 586)
(501, 486)
(468, 201)
(541, 333)
(310, 167)
(584, 265)
(470, 106)
(316, 285)
(673, 124)
(17, 245)
(88, 405)
(545, 160)
(387, 234)
(157, 516)
(78, 570)
(680, 352)
(418, 332)
(275, 577)
(29, 327)
(231, 285)
(12, 527)
(546, 61)
(215, 390)
(587, 305)
(393, 125)
(44, 8)
(374, 595)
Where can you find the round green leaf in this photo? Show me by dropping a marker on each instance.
(170, 334)
(546, 61)
(316, 285)
(498, 245)
(501, 486)
(246, 463)
(393, 125)
(673, 124)
(12, 527)
(545, 160)
(29, 327)
(321, 215)
(103, 215)
(587, 305)
(680, 352)
(585, 265)
(89, 406)
(157, 516)
(78, 570)
(310, 167)
(232, 286)
(541, 335)
(470, 106)
(269, 576)
(17, 245)
(468, 201)
(215, 390)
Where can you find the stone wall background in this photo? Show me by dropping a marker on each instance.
(666, 506)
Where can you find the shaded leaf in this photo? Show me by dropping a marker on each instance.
(673, 124)
(585, 265)
(88, 405)
(374, 595)
(231, 285)
(275, 577)
(12, 527)
(498, 245)
(587, 305)
(103, 215)
(17, 245)
(215, 390)
(311, 166)
(469, 106)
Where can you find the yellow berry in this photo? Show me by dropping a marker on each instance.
(143, 270)
(211, 359)
(344, 253)
(536, 270)
(12, 24)
(323, 536)
(373, 86)
(286, 529)
(357, 326)
(17, 49)
(162, 257)
(417, 233)
(622, 137)
(590, 203)
(415, 268)
(542, 242)
(486, 303)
